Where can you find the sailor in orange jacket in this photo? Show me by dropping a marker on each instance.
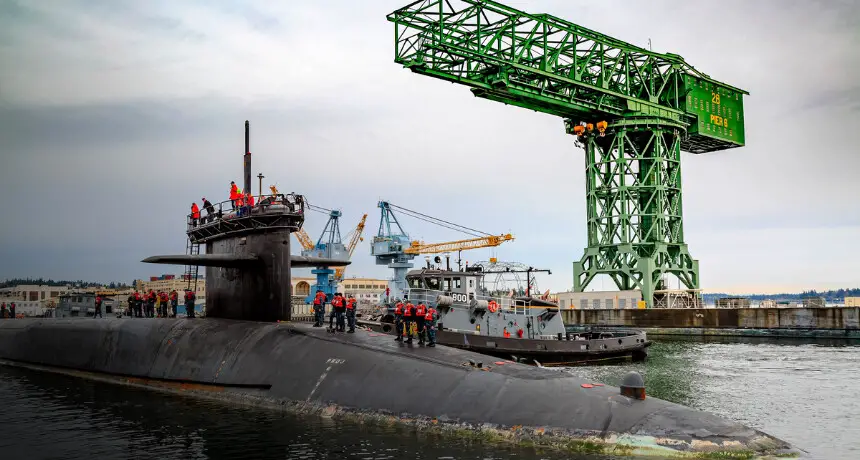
(234, 193)
(398, 321)
(350, 314)
(420, 313)
(430, 325)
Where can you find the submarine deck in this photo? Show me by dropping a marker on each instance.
(366, 374)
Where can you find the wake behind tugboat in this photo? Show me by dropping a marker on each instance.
(523, 329)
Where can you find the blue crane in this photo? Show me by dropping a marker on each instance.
(388, 246)
(328, 246)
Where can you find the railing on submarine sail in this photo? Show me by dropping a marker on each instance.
(272, 211)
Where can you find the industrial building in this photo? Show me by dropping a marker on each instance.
(365, 290)
(594, 300)
(32, 292)
(733, 302)
(852, 301)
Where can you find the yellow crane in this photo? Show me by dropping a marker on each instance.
(418, 247)
(354, 239)
(304, 239)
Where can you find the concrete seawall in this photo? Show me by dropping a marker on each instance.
(776, 322)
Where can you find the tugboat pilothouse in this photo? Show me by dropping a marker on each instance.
(523, 328)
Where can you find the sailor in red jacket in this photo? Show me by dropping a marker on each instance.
(430, 324)
(398, 321)
(420, 313)
(350, 314)
(319, 308)
(162, 304)
(174, 301)
(408, 320)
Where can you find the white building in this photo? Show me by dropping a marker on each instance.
(32, 292)
(600, 300)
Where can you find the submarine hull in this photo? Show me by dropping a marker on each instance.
(370, 376)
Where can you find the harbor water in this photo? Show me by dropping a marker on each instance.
(802, 392)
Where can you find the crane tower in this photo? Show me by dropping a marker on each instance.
(631, 109)
(328, 246)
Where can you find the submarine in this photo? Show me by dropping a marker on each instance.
(248, 351)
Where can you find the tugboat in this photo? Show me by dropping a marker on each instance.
(523, 329)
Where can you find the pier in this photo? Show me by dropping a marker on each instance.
(827, 322)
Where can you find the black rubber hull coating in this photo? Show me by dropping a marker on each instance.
(298, 366)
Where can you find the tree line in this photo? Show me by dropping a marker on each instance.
(49, 282)
(829, 295)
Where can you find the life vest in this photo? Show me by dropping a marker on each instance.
(189, 296)
(408, 310)
(520, 333)
(350, 304)
(398, 309)
(506, 333)
(151, 296)
(162, 297)
(137, 296)
(174, 296)
(421, 310)
(249, 199)
(430, 314)
(195, 211)
(234, 192)
(98, 300)
(240, 201)
(317, 300)
(337, 302)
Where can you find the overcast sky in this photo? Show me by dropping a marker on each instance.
(115, 115)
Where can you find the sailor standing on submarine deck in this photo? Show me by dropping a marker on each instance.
(350, 314)
(398, 321)
(408, 320)
(319, 308)
(420, 313)
(189, 303)
(430, 324)
(339, 311)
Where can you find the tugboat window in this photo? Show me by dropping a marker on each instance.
(457, 284)
(446, 284)
(433, 283)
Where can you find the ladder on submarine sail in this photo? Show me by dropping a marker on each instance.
(191, 271)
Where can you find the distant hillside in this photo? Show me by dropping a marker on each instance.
(50, 282)
(831, 296)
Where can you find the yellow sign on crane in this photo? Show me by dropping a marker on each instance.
(419, 247)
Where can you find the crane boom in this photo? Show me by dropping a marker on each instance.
(548, 64)
(418, 247)
(354, 239)
(304, 239)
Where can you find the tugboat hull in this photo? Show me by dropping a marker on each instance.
(588, 350)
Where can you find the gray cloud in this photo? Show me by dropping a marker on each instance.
(115, 116)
